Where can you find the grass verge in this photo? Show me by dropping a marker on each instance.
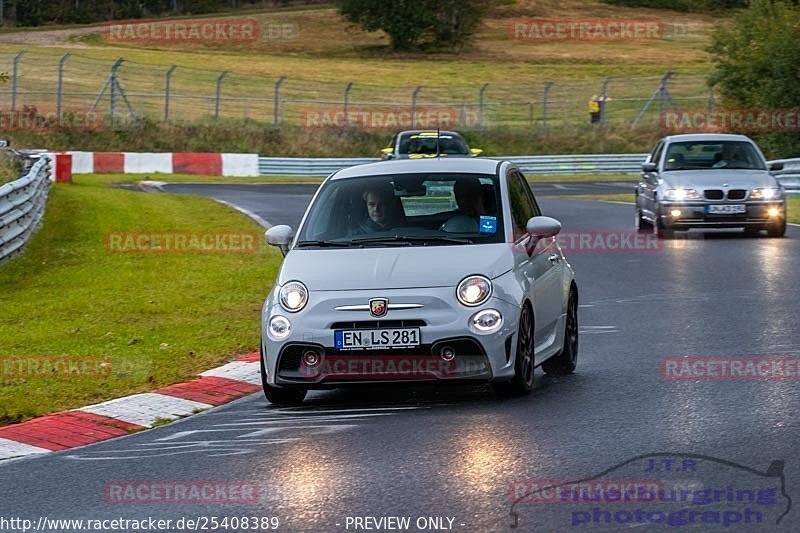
(157, 318)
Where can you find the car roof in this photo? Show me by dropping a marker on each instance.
(412, 166)
(697, 137)
(417, 132)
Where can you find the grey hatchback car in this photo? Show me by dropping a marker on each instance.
(709, 181)
(437, 270)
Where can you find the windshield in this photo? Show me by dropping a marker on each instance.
(713, 155)
(425, 143)
(405, 210)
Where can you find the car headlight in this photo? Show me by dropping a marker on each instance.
(474, 290)
(486, 321)
(279, 327)
(679, 195)
(293, 296)
(765, 194)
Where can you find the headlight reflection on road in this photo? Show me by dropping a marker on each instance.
(481, 459)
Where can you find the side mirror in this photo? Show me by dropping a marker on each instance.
(388, 153)
(475, 152)
(280, 236)
(543, 227)
(649, 167)
(774, 167)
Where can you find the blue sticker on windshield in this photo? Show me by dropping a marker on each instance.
(488, 224)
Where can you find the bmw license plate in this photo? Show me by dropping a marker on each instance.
(352, 339)
(726, 209)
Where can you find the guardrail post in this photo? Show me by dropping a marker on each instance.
(60, 87)
(547, 86)
(219, 95)
(603, 99)
(346, 104)
(167, 85)
(277, 102)
(480, 106)
(14, 78)
(414, 106)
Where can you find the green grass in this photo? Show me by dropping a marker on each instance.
(158, 318)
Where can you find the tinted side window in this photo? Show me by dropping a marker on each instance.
(521, 207)
(656, 156)
(534, 206)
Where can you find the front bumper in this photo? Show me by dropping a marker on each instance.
(442, 322)
(693, 215)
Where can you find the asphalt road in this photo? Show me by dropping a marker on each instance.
(457, 452)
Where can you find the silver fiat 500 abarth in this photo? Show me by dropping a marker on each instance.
(413, 271)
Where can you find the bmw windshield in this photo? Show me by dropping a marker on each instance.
(405, 210)
(709, 155)
(425, 144)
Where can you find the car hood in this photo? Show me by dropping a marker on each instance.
(703, 179)
(395, 267)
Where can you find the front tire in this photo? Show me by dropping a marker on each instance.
(778, 230)
(640, 223)
(276, 395)
(567, 359)
(522, 382)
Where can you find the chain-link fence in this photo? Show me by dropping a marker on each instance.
(121, 90)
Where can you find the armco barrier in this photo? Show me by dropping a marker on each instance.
(529, 164)
(790, 175)
(22, 206)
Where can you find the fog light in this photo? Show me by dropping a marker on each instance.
(675, 213)
(774, 212)
(486, 321)
(447, 353)
(310, 358)
(279, 327)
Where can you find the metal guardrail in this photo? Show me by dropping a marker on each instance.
(789, 177)
(22, 206)
(529, 164)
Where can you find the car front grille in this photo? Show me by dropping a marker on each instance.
(714, 194)
(378, 324)
(737, 194)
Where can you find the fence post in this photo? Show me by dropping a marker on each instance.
(547, 86)
(219, 95)
(603, 98)
(347, 104)
(167, 85)
(112, 80)
(14, 78)
(60, 88)
(663, 94)
(414, 106)
(711, 98)
(480, 106)
(276, 108)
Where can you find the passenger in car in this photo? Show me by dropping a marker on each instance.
(469, 197)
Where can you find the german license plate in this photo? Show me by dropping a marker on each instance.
(726, 209)
(349, 339)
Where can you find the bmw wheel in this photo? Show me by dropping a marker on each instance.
(778, 230)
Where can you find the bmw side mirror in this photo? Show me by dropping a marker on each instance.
(649, 167)
(774, 167)
(542, 227)
(280, 236)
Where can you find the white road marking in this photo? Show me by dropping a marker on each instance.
(145, 409)
(12, 448)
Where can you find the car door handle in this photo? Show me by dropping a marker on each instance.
(554, 258)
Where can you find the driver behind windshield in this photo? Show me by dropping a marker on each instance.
(384, 210)
(729, 154)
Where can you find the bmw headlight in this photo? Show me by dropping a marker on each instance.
(679, 195)
(474, 290)
(279, 327)
(765, 194)
(293, 296)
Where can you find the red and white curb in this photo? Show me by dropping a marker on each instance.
(114, 418)
(208, 164)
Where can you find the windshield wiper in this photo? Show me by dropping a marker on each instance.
(323, 244)
(414, 238)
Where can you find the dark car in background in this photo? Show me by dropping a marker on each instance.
(421, 144)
